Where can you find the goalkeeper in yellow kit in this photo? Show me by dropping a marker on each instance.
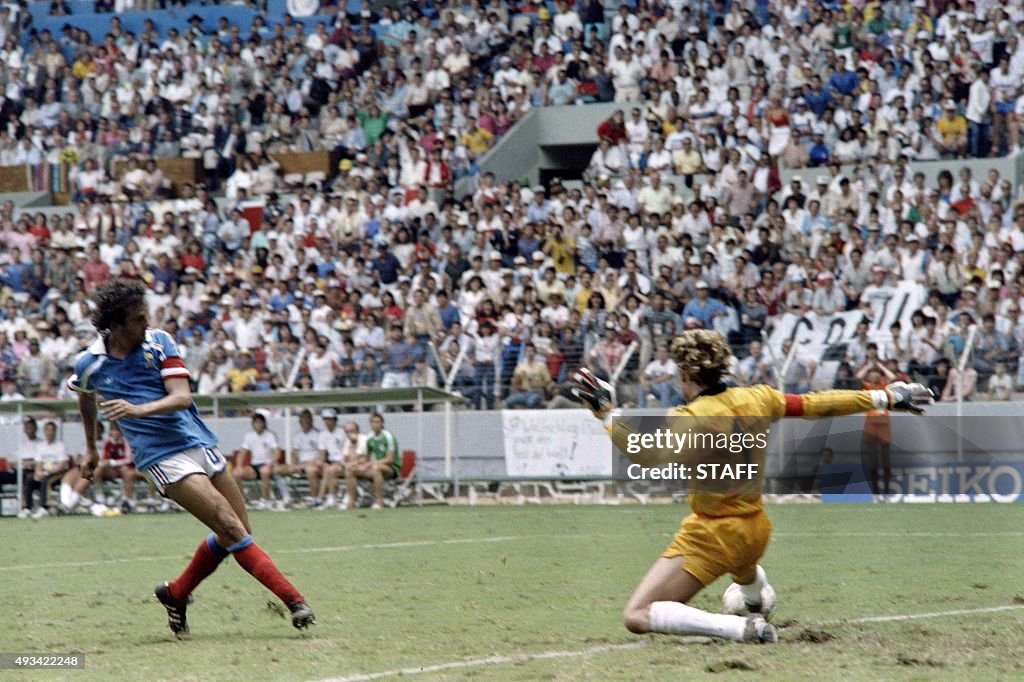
(727, 531)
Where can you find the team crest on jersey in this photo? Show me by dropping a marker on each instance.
(150, 360)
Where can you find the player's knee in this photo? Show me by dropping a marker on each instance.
(635, 620)
(231, 531)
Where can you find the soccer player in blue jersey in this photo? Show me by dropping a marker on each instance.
(142, 384)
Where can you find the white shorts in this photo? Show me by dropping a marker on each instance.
(314, 458)
(207, 461)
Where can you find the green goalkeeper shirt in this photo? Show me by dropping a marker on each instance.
(379, 444)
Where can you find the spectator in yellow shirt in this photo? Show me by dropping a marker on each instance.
(476, 139)
(687, 161)
(562, 251)
(242, 377)
(530, 379)
(83, 67)
(952, 130)
(583, 292)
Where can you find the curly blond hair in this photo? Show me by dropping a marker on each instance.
(702, 354)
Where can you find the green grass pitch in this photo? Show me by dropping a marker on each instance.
(519, 593)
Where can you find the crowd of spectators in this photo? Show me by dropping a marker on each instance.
(384, 277)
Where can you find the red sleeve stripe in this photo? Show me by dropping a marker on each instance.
(174, 372)
(794, 405)
(172, 362)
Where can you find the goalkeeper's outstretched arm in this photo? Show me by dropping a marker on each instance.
(899, 396)
(599, 396)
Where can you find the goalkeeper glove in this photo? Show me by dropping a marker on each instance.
(596, 394)
(908, 397)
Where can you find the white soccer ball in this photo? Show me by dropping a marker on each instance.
(733, 603)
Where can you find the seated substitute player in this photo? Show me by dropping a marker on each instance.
(305, 455)
(355, 457)
(143, 385)
(725, 533)
(332, 442)
(264, 462)
(382, 463)
(52, 462)
(28, 464)
(116, 461)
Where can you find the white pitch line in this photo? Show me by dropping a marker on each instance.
(80, 564)
(485, 661)
(933, 614)
(304, 550)
(397, 545)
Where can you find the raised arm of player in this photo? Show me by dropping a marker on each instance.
(599, 396)
(179, 397)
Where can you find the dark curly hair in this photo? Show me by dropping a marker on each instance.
(114, 301)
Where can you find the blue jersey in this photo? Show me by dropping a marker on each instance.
(139, 378)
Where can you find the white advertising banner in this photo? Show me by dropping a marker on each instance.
(823, 338)
(555, 444)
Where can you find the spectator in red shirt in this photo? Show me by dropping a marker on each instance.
(193, 257)
(40, 231)
(95, 270)
(392, 311)
(613, 129)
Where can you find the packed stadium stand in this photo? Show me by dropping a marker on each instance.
(313, 191)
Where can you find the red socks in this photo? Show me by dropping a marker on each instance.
(204, 562)
(260, 566)
(248, 555)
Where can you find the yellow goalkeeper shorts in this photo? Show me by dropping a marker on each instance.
(713, 546)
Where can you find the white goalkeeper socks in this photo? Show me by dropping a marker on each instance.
(752, 592)
(673, 618)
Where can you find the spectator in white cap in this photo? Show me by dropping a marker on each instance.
(820, 191)
(828, 298)
(492, 273)
(797, 298)
(702, 307)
